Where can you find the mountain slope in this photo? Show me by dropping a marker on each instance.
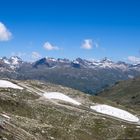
(25, 114)
(125, 93)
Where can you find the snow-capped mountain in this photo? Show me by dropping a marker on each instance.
(10, 63)
(86, 75)
(15, 62)
(82, 63)
(51, 62)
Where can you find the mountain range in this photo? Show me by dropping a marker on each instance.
(89, 76)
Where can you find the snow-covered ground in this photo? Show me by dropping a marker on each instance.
(8, 84)
(5, 116)
(60, 96)
(115, 112)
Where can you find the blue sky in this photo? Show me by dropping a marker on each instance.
(90, 29)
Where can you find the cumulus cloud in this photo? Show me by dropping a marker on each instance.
(49, 47)
(134, 59)
(88, 44)
(35, 55)
(5, 34)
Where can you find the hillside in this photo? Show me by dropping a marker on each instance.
(32, 110)
(126, 93)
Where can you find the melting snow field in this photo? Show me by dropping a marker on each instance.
(8, 84)
(60, 96)
(115, 112)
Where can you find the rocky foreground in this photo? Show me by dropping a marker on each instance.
(28, 113)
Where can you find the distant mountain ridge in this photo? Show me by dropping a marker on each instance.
(10, 63)
(81, 63)
(78, 63)
(84, 75)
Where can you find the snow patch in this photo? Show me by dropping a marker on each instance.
(5, 116)
(8, 84)
(115, 112)
(76, 62)
(60, 96)
(6, 61)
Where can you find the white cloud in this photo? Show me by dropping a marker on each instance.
(87, 44)
(134, 59)
(49, 47)
(5, 34)
(35, 55)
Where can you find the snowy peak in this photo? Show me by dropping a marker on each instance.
(10, 63)
(44, 62)
(101, 64)
(83, 63)
(15, 60)
(49, 62)
(106, 60)
(5, 60)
